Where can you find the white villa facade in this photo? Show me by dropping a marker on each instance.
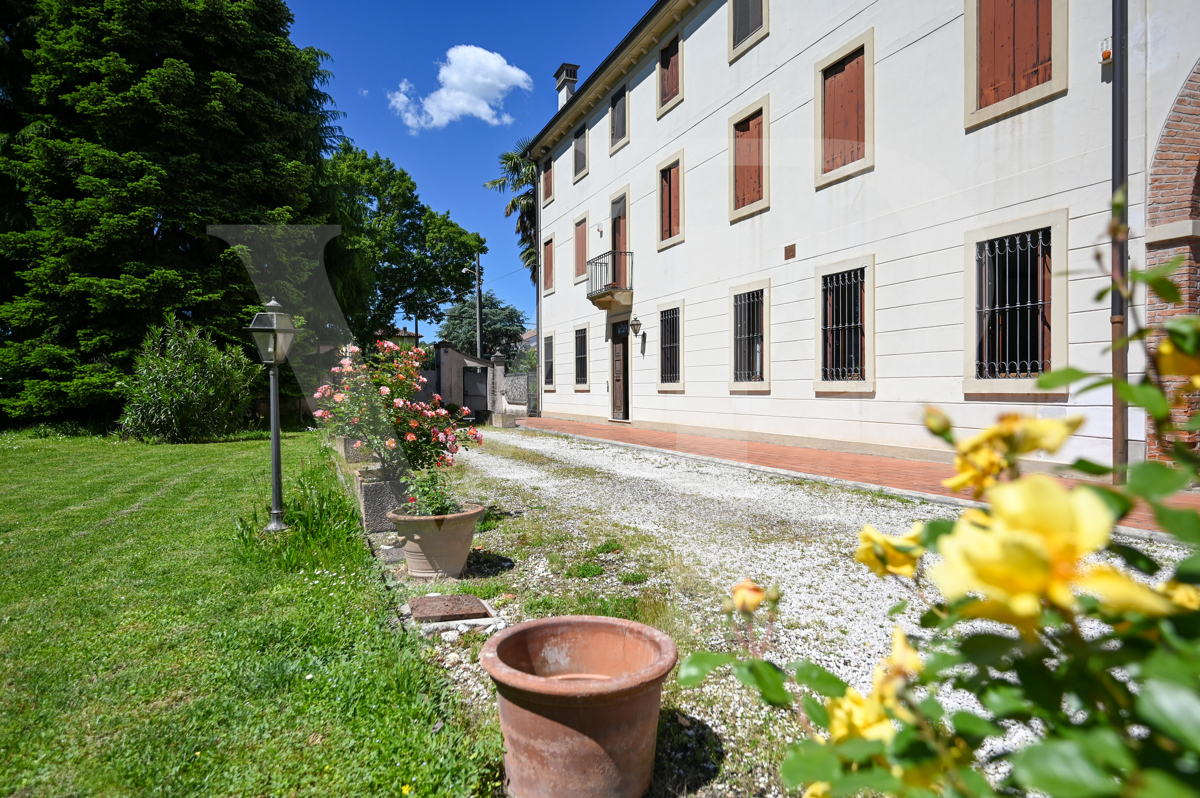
(801, 221)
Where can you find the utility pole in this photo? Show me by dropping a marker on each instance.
(478, 310)
(1120, 252)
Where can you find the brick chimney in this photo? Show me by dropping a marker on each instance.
(566, 77)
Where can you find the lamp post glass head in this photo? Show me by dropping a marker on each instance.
(273, 333)
(635, 326)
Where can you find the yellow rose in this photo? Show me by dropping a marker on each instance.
(897, 670)
(977, 469)
(747, 596)
(1171, 361)
(818, 789)
(853, 717)
(1181, 593)
(1119, 593)
(1028, 550)
(984, 456)
(885, 555)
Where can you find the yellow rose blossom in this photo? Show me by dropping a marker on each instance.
(1119, 593)
(818, 789)
(852, 717)
(897, 670)
(747, 596)
(984, 456)
(1172, 361)
(1028, 550)
(885, 554)
(1182, 594)
(977, 470)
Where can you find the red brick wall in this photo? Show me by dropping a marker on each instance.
(1174, 196)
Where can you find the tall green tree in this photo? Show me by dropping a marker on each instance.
(503, 326)
(150, 120)
(417, 256)
(17, 26)
(518, 177)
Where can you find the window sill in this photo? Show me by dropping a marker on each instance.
(580, 279)
(580, 176)
(750, 387)
(547, 292)
(582, 388)
(846, 172)
(548, 389)
(670, 387)
(831, 387)
(620, 421)
(547, 201)
(670, 242)
(666, 107)
(1018, 102)
(746, 211)
(620, 145)
(976, 387)
(736, 52)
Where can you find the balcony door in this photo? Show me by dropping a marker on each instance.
(619, 243)
(620, 371)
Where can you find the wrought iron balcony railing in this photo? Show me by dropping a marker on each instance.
(610, 272)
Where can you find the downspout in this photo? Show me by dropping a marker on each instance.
(1120, 249)
(537, 289)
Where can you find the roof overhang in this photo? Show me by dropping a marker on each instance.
(640, 41)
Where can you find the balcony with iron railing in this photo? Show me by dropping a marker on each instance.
(610, 280)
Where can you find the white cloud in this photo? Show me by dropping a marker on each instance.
(363, 92)
(474, 82)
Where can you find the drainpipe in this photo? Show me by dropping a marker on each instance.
(1120, 252)
(537, 288)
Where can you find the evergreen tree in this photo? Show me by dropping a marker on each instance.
(503, 326)
(149, 120)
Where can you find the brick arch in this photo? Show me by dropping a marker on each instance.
(1172, 203)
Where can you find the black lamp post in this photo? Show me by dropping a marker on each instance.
(273, 334)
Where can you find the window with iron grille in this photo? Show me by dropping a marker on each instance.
(1012, 306)
(843, 332)
(548, 360)
(748, 337)
(669, 346)
(581, 364)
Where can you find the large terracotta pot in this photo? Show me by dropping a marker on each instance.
(436, 545)
(579, 698)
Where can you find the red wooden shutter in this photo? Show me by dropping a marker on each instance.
(548, 264)
(1015, 40)
(664, 210)
(831, 103)
(741, 132)
(548, 179)
(675, 182)
(754, 186)
(1031, 43)
(580, 248)
(844, 127)
(670, 70)
(856, 107)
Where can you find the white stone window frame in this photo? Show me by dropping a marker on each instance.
(587, 155)
(736, 52)
(662, 109)
(546, 200)
(675, 239)
(586, 386)
(586, 219)
(550, 387)
(670, 387)
(866, 41)
(614, 148)
(1058, 222)
(832, 387)
(974, 116)
(763, 387)
(737, 214)
(553, 265)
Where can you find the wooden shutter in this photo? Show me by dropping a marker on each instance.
(748, 161)
(581, 248)
(675, 199)
(580, 150)
(669, 70)
(548, 179)
(617, 114)
(844, 127)
(548, 264)
(1015, 38)
(669, 202)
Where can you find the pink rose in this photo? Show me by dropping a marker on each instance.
(391, 443)
(358, 444)
(338, 397)
(410, 437)
(384, 390)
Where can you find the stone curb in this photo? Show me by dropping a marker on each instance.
(1151, 535)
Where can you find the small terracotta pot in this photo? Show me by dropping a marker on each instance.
(579, 697)
(437, 545)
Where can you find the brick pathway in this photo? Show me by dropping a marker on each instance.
(911, 475)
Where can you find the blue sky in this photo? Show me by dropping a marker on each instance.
(376, 46)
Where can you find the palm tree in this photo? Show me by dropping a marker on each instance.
(519, 176)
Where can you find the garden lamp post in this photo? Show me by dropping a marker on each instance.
(273, 334)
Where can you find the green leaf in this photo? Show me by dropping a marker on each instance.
(988, 649)
(1088, 467)
(1172, 709)
(767, 678)
(1006, 701)
(860, 750)
(872, 780)
(1060, 377)
(897, 609)
(1153, 480)
(933, 531)
(1159, 784)
(1188, 570)
(696, 667)
(817, 679)
(1183, 524)
(941, 660)
(815, 711)
(1118, 503)
(1192, 424)
(1185, 332)
(809, 762)
(1134, 558)
(1107, 749)
(1145, 395)
(1165, 289)
(973, 727)
(1063, 769)
(932, 709)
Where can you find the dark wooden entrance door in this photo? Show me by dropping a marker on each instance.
(620, 367)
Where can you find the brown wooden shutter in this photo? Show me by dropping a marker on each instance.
(675, 199)
(748, 161)
(741, 132)
(669, 69)
(664, 210)
(548, 179)
(548, 264)
(1031, 43)
(844, 127)
(1015, 38)
(581, 248)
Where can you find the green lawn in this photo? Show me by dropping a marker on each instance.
(143, 653)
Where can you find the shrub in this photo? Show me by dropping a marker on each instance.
(184, 388)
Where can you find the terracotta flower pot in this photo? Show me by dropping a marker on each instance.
(579, 698)
(436, 545)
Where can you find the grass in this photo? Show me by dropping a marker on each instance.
(145, 649)
(584, 570)
(633, 578)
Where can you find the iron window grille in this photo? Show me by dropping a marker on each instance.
(843, 331)
(668, 357)
(1012, 306)
(581, 367)
(549, 360)
(748, 337)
